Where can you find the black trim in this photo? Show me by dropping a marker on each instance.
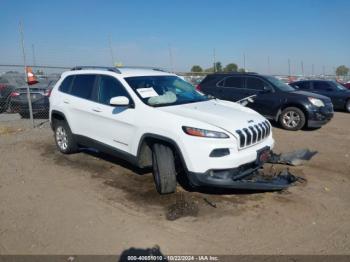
(88, 142)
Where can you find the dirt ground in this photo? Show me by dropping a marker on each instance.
(86, 204)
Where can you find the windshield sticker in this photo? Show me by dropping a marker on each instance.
(147, 92)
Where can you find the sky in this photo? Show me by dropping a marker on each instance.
(69, 33)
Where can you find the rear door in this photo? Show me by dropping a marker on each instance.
(80, 106)
(232, 88)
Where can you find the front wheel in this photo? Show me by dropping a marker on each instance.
(164, 172)
(292, 118)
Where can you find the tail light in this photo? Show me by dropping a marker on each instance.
(198, 87)
(14, 94)
(47, 92)
(2, 87)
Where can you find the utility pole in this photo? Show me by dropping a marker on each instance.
(34, 58)
(244, 63)
(268, 65)
(289, 71)
(111, 50)
(302, 68)
(214, 57)
(171, 59)
(25, 75)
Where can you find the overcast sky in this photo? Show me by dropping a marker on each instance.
(68, 33)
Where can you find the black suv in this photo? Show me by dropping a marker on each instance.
(339, 94)
(293, 109)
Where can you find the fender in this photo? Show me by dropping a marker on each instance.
(60, 114)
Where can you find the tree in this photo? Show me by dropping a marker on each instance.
(218, 67)
(209, 70)
(232, 67)
(241, 70)
(196, 69)
(342, 70)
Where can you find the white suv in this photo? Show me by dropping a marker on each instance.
(153, 118)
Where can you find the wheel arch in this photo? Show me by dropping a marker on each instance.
(57, 115)
(297, 105)
(144, 151)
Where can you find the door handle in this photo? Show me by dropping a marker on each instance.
(97, 110)
(66, 101)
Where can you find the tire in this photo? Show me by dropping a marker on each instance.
(292, 118)
(64, 138)
(164, 172)
(347, 106)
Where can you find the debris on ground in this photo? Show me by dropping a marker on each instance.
(4, 130)
(182, 208)
(210, 203)
(295, 158)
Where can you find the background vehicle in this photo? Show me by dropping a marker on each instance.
(339, 95)
(8, 82)
(293, 109)
(39, 94)
(153, 118)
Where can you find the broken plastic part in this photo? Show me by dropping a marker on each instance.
(295, 158)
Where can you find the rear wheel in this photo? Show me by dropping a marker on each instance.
(64, 138)
(292, 118)
(347, 106)
(164, 172)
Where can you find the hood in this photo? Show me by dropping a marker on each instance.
(223, 114)
(309, 94)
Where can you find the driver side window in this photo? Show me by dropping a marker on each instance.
(109, 87)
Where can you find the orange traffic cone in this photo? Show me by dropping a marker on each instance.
(31, 78)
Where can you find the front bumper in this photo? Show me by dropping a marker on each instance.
(320, 116)
(246, 177)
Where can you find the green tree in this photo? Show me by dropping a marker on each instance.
(196, 69)
(241, 70)
(218, 67)
(342, 70)
(232, 67)
(209, 70)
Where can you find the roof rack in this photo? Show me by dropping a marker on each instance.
(112, 69)
(143, 67)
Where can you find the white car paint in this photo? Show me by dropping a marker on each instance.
(123, 129)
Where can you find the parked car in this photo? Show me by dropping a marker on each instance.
(277, 101)
(8, 83)
(39, 94)
(339, 95)
(153, 118)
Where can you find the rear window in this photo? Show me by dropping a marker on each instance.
(66, 84)
(83, 85)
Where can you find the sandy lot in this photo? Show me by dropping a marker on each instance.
(86, 204)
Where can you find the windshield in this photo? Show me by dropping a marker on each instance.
(279, 84)
(338, 86)
(164, 90)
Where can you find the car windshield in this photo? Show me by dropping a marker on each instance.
(164, 90)
(338, 86)
(279, 84)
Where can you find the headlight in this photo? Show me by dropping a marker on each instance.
(203, 133)
(316, 102)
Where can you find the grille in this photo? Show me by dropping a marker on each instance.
(253, 134)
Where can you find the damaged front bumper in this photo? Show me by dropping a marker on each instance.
(251, 177)
(247, 177)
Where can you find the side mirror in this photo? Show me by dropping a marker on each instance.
(119, 101)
